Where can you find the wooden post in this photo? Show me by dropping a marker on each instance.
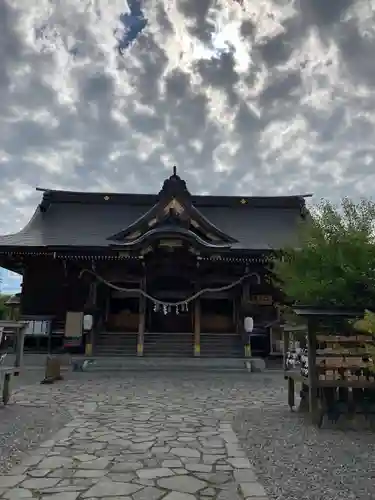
(19, 345)
(291, 391)
(141, 324)
(6, 388)
(313, 376)
(286, 340)
(197, 327)
(49, 350)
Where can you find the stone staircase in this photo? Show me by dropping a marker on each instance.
(116, 344)
(221, 345)
(163, 345)
(169, 345)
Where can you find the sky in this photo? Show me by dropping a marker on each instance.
(255, 97)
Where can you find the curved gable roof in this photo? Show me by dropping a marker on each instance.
(174, 211)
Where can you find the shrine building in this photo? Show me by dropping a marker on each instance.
(169, 274)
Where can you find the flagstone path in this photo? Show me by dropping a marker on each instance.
(140, 438)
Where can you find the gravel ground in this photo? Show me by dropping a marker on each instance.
(296, 461)
(23, 426)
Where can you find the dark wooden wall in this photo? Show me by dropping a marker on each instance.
(49, 289)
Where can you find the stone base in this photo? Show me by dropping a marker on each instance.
(103, 363)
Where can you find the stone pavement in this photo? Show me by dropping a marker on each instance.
(140, 439)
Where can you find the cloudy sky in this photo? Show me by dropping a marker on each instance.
(267, 97)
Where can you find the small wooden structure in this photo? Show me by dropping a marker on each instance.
(336, 369)
(6, 372)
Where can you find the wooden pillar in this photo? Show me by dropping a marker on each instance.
(91, 334)
(197, 314)
(245, 301)
(197, 327)
(142, 317)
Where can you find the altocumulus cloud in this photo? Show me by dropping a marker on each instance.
(271, 96)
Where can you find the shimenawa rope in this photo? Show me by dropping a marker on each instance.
(169, 304)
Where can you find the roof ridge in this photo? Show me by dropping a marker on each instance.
(122, 193)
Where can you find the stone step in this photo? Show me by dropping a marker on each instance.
(170, 344)
(112, 363)
(116, 344)
(221, 346)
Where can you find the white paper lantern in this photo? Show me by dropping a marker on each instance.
(87, 322)
(249, 324)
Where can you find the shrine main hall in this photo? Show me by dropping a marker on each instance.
(167, 274)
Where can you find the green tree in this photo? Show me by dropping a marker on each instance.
(334, 261)
(3, 308)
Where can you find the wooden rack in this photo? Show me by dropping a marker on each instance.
(340, 377)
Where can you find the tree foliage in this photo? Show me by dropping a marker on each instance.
(334, 264)
(367, 325)
(4, 310)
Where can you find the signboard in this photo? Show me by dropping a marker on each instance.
(262, 300)
(38, 327)
(73, 329)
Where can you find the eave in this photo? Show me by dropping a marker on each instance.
(118, 253)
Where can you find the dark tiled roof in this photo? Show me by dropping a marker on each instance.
(88, 219)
